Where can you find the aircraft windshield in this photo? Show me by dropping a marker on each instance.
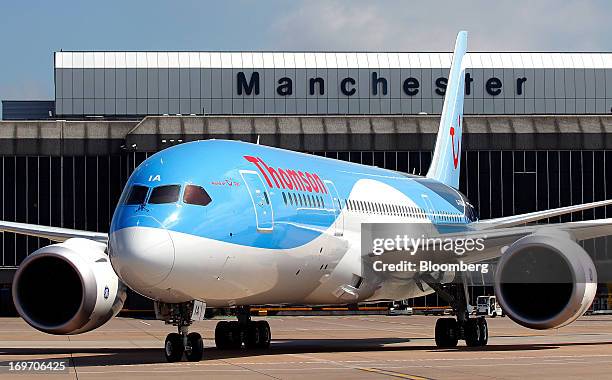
(137, 195)
(196, 195)
(165, 194)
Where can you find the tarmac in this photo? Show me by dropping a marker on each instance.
(323, 347)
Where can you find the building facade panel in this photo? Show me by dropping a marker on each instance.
(317, 83)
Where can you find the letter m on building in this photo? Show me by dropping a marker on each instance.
(247, 88)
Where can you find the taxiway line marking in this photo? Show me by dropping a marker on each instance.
(392, 373)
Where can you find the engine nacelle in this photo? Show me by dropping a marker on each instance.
(545, 280)
(68, 288)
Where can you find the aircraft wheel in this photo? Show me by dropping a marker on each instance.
(228, 335)
(484, 331)
(174, 347)
(221, 335)
(234, 335)
(472, 332)
(197, 347)
(446, 332)
(251, 336)
(265, 336)
(257, 335)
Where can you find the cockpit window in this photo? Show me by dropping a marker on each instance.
(137, 195)
(196, 195)
(165, 194)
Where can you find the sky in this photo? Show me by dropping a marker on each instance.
(31, 30)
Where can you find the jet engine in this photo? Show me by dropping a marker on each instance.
(68, 288)
(545, 280)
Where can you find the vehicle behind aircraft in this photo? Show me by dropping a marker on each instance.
(488, 305)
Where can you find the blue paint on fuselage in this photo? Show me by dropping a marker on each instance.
(230, 217)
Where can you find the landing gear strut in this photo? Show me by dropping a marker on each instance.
(183, 342)
(229, 335)
(450, 330)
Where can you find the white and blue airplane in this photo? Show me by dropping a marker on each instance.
(228, 224)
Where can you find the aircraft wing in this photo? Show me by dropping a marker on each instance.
(52, 233)
(516, 220)
(496, 239)
(500, 233)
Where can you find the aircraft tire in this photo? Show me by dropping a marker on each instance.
(228, 335)
(484, 331)
(265, 336)
(234, 335)
(472, 332)
(174, 347)
(257, 335)
(251, 336)
(221, 335)
(197, 347)
(446, 332)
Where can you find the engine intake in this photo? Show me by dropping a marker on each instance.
(545, 280)
(68, 288)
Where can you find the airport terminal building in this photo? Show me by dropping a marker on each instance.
(538, 128)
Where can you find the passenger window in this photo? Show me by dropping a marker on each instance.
(137, 195)
(165, 194)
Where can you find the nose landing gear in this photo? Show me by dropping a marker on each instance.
(183, 342)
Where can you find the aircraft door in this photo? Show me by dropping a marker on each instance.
(264, 215)
(338, 216)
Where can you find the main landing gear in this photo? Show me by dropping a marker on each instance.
(449, 331)
(182, 343)
(230, 335)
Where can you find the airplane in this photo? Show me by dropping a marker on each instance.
(230, 224)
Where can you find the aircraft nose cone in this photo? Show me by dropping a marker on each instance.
(142, 256)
